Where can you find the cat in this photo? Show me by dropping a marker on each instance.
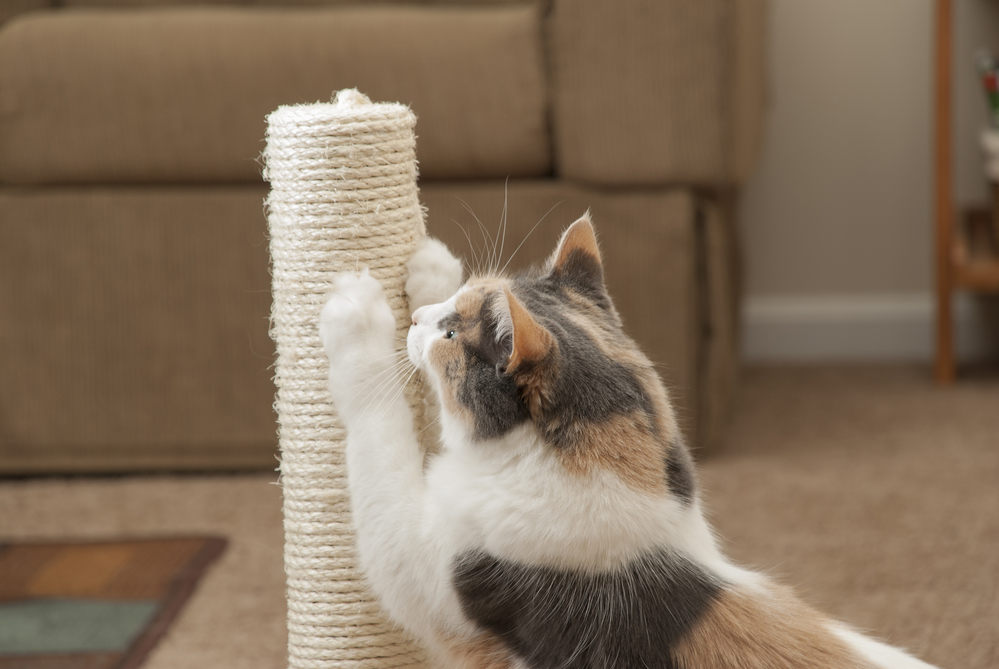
(560, 526)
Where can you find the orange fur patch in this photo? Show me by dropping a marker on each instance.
(624, 445)
(744, 630)
(448, 359)
(469, 303)
(485, 651)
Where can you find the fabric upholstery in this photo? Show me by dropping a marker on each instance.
(672, 89)
(11, 8)
(267, 3)
(180, 94)
(141, 4)
(134, 292)
(140, 314)
(719, 300)
(139, 321)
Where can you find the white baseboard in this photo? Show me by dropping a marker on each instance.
(889, 327)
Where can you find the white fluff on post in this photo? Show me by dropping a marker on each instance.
(343, 196)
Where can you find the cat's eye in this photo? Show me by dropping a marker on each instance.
(450, 334)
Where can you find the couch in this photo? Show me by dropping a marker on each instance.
(134, 285)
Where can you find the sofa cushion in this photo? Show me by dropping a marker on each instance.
(673, 90)
(180, 94)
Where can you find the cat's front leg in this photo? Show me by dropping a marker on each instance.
(434, 274)
(384, 461)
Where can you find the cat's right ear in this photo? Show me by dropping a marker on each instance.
(577, 257)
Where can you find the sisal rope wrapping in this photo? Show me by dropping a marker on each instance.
(343, 196)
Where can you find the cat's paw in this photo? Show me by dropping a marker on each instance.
(357, 329)
(434, 274)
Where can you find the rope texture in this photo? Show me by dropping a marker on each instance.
(343, 196)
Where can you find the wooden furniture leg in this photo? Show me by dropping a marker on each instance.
(944, 368)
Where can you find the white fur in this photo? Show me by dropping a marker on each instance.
(434, 274)
(424, 332)
(879, 654)
(509, 496)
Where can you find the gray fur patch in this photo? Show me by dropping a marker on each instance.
(680, 477)
(632, 617)
(588, 386)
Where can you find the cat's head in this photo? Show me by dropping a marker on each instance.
(546, 347)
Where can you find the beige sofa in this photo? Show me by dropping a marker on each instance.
(134, 287)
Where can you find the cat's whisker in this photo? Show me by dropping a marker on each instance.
(501, 233)
(430, 423)
(436, 422)
(487, 238)
(510, 259)
(377, 403)
(471, 247)
(367, 386)
(396, 353)
(387, 401)
(385, 378)
(380, 378)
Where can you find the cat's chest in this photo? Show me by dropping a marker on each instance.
(532, 511)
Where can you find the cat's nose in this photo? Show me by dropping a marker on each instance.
(416, 315)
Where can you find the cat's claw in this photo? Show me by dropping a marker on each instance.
(434, 274)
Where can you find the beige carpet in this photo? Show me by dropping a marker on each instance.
(236, 618)
(876, 495)
(873, 492)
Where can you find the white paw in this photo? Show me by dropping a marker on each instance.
(434, 274)
(357, 329)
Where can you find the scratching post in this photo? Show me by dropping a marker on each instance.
(343, 196)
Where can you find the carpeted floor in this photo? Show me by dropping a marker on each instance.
(236, 617)
(870, 490)
(876, 495)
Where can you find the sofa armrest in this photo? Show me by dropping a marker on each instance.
(654, 92)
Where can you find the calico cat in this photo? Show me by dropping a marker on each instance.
(560, 526)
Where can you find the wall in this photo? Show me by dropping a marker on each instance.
(837, 219)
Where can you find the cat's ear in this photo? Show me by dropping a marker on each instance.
(577, 256)
(531, 346)
(531, 342)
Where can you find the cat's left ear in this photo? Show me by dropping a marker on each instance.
(577, 257)
(531, 342)
(531, 345)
